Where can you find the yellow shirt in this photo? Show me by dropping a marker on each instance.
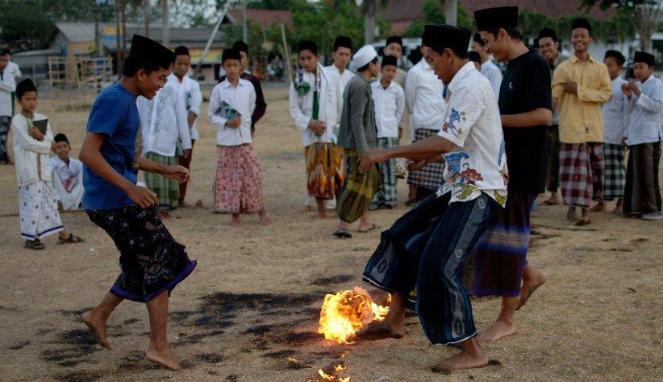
(580, 116)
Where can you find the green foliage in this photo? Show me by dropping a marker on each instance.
(25, 24)
(270, 4)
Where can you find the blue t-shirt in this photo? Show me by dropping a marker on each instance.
(114, 114)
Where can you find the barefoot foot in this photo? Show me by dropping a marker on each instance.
(236, 221)
(598, 207)
(381, 330)
(460, 361)
(530, 286)
(264, 219)
(165, 358)
(499, 329)
(96, 323)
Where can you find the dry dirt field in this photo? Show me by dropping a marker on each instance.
(254, 299)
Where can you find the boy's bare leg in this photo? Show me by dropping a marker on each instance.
(159, 350)
(364, 224)
(393, 326)
(471, 356)
(97, 318)
(584, 219)
(322, 211)
(264, 218)
(236, 220)
(504, 325)
(553, 200)
(599, 207)
(533, 278)
(571, 215)
(618, 207)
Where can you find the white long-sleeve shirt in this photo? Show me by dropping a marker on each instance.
(615, 114)
(242, 98)
(301, 107)
(31, 155)
(67, 181)
(646, 117)
(193, 99)
(423, 96)
(341, 80)
(494, 75)
(389, 108)
(7, 86)
(163, 122)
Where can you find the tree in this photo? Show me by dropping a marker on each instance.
(369, 10)
(645, 14)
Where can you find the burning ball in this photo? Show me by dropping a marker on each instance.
(345, 313)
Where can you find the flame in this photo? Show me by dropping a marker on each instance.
(343, 314)
(331, 374)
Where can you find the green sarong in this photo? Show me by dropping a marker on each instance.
(358, 189)
(167, 190)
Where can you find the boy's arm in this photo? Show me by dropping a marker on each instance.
(358, 100)
(400, 105)
(91, 156)
(214, 103)
(182, 122)
(600, 95)
(260, 106)
(195, 103)
(651, 102)
(26, 141)
(301, 120)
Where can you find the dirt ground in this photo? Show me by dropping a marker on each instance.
(254, 299)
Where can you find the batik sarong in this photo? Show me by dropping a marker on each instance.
(422, 257)
(642, 193)
(615, 173)
(358, 189)
(581, 170)
(38, 211)
(496, 264)
(324, 170)
(151, 261)
(167, 190)
(431, 176)
(387, 193)
(186, 163)
(4, 131)
(238, 184)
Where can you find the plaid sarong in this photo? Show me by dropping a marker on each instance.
(581, 173)
(151, 261)
(324, 169)
(358, 189)
(387, 193)
(430, 176)
(615, 173)
(642, 193)
(167, 190)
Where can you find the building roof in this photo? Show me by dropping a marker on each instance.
(264, 17)
(77, 32)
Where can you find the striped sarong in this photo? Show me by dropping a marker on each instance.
(615, 173)
(358, 189)
(581, 173)
(324, 169)
(387, 193)
(642, 193)
(496, 264)
(167, 190)
(431, 176)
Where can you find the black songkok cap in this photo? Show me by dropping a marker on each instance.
(150, 51)
(342, 42)
(645, 57)
(25, 86)
(241, 46)
(60, 138)
(547, 32)
(182, 51)
(230, 54)
(396, 39)
(307, 45)
(618, 56)
(440, 37)
(389, 60)
(491, 19)
(581, 23)
(474, 56)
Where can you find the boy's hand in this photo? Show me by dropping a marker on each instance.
(36, 134)
(234, 123)
(633, 86)
(570, 87)
(186, 154)
(179, 173)
(142, 196)
(317, 127)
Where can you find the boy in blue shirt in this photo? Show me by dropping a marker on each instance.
(152, 262)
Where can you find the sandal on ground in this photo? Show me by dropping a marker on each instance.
(369, 229)
(34, 244)
(342, 233)
(71, 239)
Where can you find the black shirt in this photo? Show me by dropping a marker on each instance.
(526, 86)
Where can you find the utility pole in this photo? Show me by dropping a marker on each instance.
(166, 23)
(146, 16)
(451, 12)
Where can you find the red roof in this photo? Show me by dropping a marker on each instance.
(410, 10)
(265, 17)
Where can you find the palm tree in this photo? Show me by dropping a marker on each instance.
(369, 10)
(450, 9)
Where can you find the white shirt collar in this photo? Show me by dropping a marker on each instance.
(460, 76)
(227, 84)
